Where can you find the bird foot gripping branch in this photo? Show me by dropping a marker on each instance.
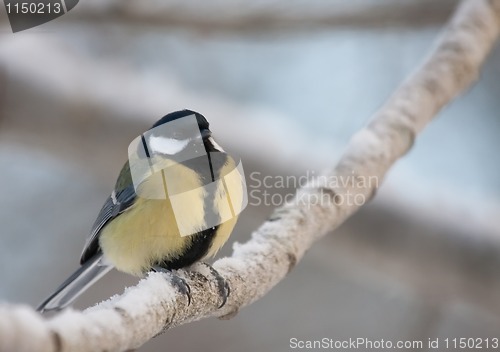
(177, 281)
(208, 271)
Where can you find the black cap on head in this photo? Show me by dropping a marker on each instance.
(202, 121)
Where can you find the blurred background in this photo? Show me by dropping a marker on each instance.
(284, 85)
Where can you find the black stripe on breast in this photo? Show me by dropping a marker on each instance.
(201, 241)
(198, 249)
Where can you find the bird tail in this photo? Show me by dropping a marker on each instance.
(89, 273)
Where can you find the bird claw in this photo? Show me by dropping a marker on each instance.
(222, 285)
(176, 281)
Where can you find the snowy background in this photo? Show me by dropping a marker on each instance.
(284, 86)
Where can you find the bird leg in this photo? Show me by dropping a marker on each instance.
(222, 285)
(176, 280)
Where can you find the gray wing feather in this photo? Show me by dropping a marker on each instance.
(93, 265)
(110, 210)
(76, 284)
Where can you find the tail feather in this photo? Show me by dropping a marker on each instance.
(89, 273)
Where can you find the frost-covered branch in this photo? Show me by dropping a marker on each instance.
(234, 15)
(265, 15)
(129, 320)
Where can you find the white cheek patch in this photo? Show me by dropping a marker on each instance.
(168, 146)
(214, 143)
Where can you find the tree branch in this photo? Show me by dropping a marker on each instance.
(129, 320)
(267, 15)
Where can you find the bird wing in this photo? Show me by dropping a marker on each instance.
(113, 206)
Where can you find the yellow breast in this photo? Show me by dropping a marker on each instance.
(150, 232)
(147, 232)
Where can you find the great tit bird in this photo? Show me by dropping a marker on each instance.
(175, 202)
